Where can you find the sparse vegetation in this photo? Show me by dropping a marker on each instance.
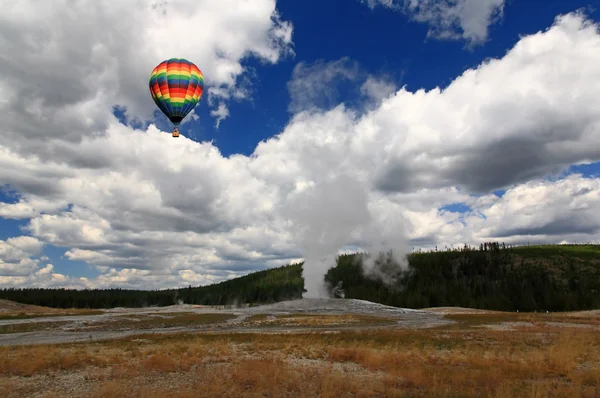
(31, 327)
(10, 310)
(491, 276)
(156, 321)
(456, 360)
(21, 315)
(303, 320)
(123, 323)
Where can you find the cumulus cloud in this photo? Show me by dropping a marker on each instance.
(66, 64)
(505, 122)
(543, 210)
(148, 214)
(15, 256)
(44, 277)
(467, 20)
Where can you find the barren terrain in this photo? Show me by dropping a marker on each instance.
(300, 348)
(324, 314)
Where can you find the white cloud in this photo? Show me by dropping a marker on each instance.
(42, 278)
(221, 113)
(16, 253)
(148, 214)
(66, 64)
(26, 244)
(467, 20)
(313, 85)
(510, 120)
(316, 86)
(378, 89)
(568, 208)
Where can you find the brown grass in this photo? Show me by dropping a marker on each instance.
(24, 315)
(13, 310)
(31, 327)
(459, 360)
(535, 319)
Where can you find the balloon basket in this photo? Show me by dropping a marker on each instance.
(175, 133)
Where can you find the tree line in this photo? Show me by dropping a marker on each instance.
(494, 276)
(277, 284)
(491, 276)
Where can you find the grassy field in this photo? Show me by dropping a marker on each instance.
(522, 356)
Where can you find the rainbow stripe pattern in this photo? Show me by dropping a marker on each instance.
(176, 86)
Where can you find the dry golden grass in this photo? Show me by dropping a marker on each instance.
(581, 318)
(13, 310)
(25, 315)
(454, 361)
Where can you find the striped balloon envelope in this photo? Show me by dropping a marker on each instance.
(176, 86)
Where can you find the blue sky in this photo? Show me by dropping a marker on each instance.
(380, 42)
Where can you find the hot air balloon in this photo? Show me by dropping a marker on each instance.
(176, 86)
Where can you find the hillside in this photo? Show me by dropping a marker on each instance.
(273, 285)
(527, 278)
(11, 307)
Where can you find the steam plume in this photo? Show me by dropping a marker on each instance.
(327, 216)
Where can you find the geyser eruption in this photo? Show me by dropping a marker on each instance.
(327, 216)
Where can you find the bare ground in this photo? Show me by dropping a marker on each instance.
(326, 314)
(51, 326)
